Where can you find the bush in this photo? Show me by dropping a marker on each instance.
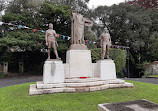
(118, 55)
(2, 75)
(33, 61)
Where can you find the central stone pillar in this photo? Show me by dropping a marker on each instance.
(79, 63)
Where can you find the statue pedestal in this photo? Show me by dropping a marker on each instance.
(65, 78)
(53, 72)
(79, 63)
(106, 69)
(78, 47)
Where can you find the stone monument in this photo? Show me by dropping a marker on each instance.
(78, 74)
(77, 30)
(53, 71)
(106, 67)
(105, 44)
(51, 41)
(137, 105)
(78, 57)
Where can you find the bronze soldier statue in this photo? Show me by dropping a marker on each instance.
(50, 39)
(105, 44)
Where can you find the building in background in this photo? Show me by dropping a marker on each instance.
(152, 69)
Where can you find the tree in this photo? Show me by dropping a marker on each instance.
(133, 23)
(100, 14)
(59, 15)
(145, 3)
(2, 5)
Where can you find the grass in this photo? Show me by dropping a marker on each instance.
(153, 76)
(16, 98)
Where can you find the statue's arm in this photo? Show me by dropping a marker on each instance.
(46, 38)
(87, 22)
(71, 15)
(71, 11)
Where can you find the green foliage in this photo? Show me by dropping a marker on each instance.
(142, 66)
(5, 56)
(124, 21)
(13, 17)
(2, 75)
(155, 76)
(23, 39)
(146, 74)
(95, 54)
(72, 101)
(2, 5)
(18, 6)
(118, 55)
(35, 69)
(133, 23)
(59, 15)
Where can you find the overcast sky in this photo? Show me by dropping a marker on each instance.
(96, 3)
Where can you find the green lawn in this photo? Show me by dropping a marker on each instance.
(153, 76)
(16, 98)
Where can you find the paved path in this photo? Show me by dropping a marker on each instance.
(148, 80)
(9, 81)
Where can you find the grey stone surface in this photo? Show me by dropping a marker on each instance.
(42, 88)
(138, 105)
(9, 81)
(152, 68)
(147, 80)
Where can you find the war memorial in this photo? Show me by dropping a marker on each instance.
(78, 74)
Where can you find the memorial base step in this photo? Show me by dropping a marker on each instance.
(75, 85)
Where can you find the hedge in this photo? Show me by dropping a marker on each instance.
(33, 61)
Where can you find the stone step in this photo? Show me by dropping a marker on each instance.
(78, 80)
(36, 91)
(41, 85)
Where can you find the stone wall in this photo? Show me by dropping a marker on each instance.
(152, 69)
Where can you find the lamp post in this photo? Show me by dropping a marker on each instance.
(127, 41)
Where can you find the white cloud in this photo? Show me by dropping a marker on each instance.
(96, 3)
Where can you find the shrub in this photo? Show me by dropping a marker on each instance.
(2, 75)
(33, 61)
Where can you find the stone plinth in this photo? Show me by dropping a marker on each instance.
(77, 85)
(5, 67)
(78, 47)
(53, 72)
(138, 105)
(79, 63)
(106, 69)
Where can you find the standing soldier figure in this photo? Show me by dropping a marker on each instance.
(50, 39)
(105, 44)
